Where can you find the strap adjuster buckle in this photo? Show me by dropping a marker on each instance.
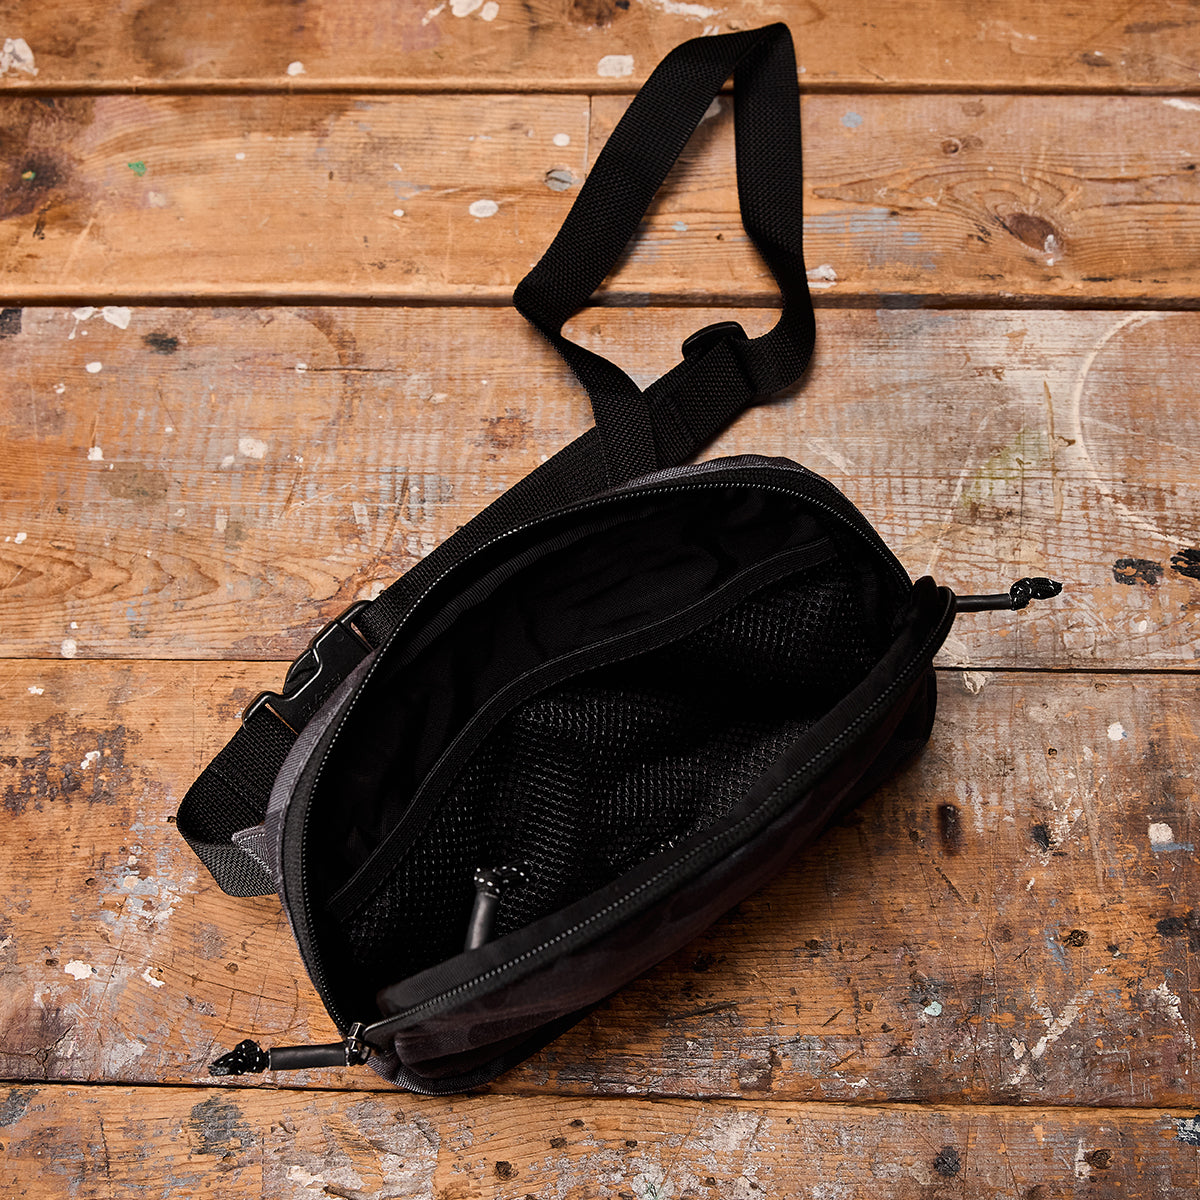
(331, 655)
(703, 340)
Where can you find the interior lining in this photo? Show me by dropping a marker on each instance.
(600, 771)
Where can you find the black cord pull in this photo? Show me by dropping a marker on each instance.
(490, 885)
(1017, 597)
(249, 1058)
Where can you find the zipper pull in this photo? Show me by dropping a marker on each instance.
(1017, 596)
(249, 1058)
(490, 885)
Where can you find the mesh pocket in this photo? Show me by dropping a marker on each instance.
(595, 775)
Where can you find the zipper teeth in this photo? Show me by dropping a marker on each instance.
(731, 835)
(629, 645)
(852, 518)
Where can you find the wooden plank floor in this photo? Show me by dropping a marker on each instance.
(256, 360)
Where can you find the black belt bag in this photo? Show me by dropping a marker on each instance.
(613, 704)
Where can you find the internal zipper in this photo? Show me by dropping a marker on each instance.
(552, 674)
(834, 504)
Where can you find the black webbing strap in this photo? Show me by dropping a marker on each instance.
(636, 431)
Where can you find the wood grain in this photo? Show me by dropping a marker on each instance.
(230, 478)
(560, 44)
(933, 198)
(1013, 919)
(66, 1141)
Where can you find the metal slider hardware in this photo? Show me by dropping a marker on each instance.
(331, 655)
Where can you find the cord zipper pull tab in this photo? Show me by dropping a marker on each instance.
(490, 885)
(249, 1058)
(1017, 597)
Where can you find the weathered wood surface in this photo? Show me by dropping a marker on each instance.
(1013, 919)
(929, 197)
(229, 478)
(589, 44)
(96, 1143)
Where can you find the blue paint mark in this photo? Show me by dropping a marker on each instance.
(1167, 847)
(1187, 1130)
(1056, 949)
(852, 120)
(910, 237)
(680, 227)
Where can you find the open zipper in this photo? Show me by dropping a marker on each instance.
(360, 1037)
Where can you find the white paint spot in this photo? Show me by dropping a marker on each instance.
(249, 447)
(83, 314)
(34, 690)
(1056, 1027)
(1029, 885)
(157, 199)
(169, 429)
(69, 648)
(20, 537)
(295, 68)
(151, 980)
(491, 10)
(1171, 1006)
(1186, 105)
(301, 367)
(227, 461)
(131, 860)
(562, 139)
(116, 315)
(615, 66)
(934, 1009)
(17, 56)
(59, 388)
(74, 624)
(89, 759)
(397, 212)
(1116, 731)
(220, 522)
(432, 13)
(240, 155)
(1161, 834)
(93, 368)
(696, 12)
(484, 208)
(79, 970)
(822, 277)
(1083, 1168)
(975, 681)
(360, 514)
(1141, 626)
(130, 882)
(464, 8)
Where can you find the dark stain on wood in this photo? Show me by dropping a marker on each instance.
(950, 828)
(129, 482)
(1031, 229)
(1077, 937)
(161, 343)
(1137, 571)
(598, 13)
(505, 1170)
(218, 1125)
(947, 1162)
(1100, 1159)
(10, 322)
(1041, 836)
(956, 145)
(1186, 926)
(1186, 561)
(509, 432)
(14, 1105)
(44, 776)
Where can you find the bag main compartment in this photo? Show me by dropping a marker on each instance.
(562, 734)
